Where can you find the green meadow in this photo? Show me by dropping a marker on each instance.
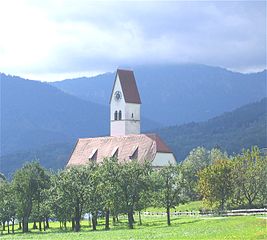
(155, 227)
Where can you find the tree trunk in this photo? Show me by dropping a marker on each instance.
(44, 224)
(168, 216)
(107, 220)
(250, 203)
(47, 222)
(20, 225)
(8, 230)
(132, 216)
(130, 219)
(25, 224)
(140, 220)
(77, 224)
(65, 225)
(222, 205)
(13, 223)
(77, 218)
(94, 221)
(4, 226)
(89, 219)
(40, 225)
(114, 220)
(72, 224)
(34, 225)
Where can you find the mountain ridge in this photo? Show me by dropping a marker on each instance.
(184, 93)
(35, 114)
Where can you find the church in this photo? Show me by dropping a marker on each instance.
(125, 141)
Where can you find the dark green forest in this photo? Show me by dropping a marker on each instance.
(231, 132)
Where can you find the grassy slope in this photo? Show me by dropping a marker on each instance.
(250, 227)
(191, 206)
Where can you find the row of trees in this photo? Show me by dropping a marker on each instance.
(110, 189)
(106, 189)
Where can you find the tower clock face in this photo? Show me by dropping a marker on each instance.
(117, 95)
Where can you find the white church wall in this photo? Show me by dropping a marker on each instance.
(132, 127)
(163, 159)
(132, 117)
(132, 108)
(117, 127)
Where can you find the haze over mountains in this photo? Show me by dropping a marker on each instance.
(34, 114)
(40, 121)
(175, 94)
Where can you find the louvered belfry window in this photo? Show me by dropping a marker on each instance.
(116, 115)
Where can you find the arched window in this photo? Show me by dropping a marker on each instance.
(132, 115)
(116, 115)
(120, 115)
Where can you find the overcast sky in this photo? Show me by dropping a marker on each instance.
(57, 39)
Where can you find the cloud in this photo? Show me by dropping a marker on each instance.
(63, 37)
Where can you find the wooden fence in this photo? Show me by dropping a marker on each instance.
(239, 212)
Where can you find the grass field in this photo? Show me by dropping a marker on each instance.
(248, 227)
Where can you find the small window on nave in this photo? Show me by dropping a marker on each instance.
(93, 155)
(115, 152)
(120, 115)
(134, 154)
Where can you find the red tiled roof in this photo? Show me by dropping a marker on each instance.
(129, 87)
(161, 146)
(147, 146)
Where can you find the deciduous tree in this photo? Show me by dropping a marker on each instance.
(27, 184)
(250, 171)
(216, 183)
(109, 188)
(133, 181)
(170, 188)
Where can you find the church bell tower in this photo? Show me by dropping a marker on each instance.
(125, 105)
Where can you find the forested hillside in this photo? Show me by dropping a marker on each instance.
(232, 131)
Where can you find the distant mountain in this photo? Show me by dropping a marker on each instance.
(176, 94)
(34, 114)
(232, 131)
(51, 156)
